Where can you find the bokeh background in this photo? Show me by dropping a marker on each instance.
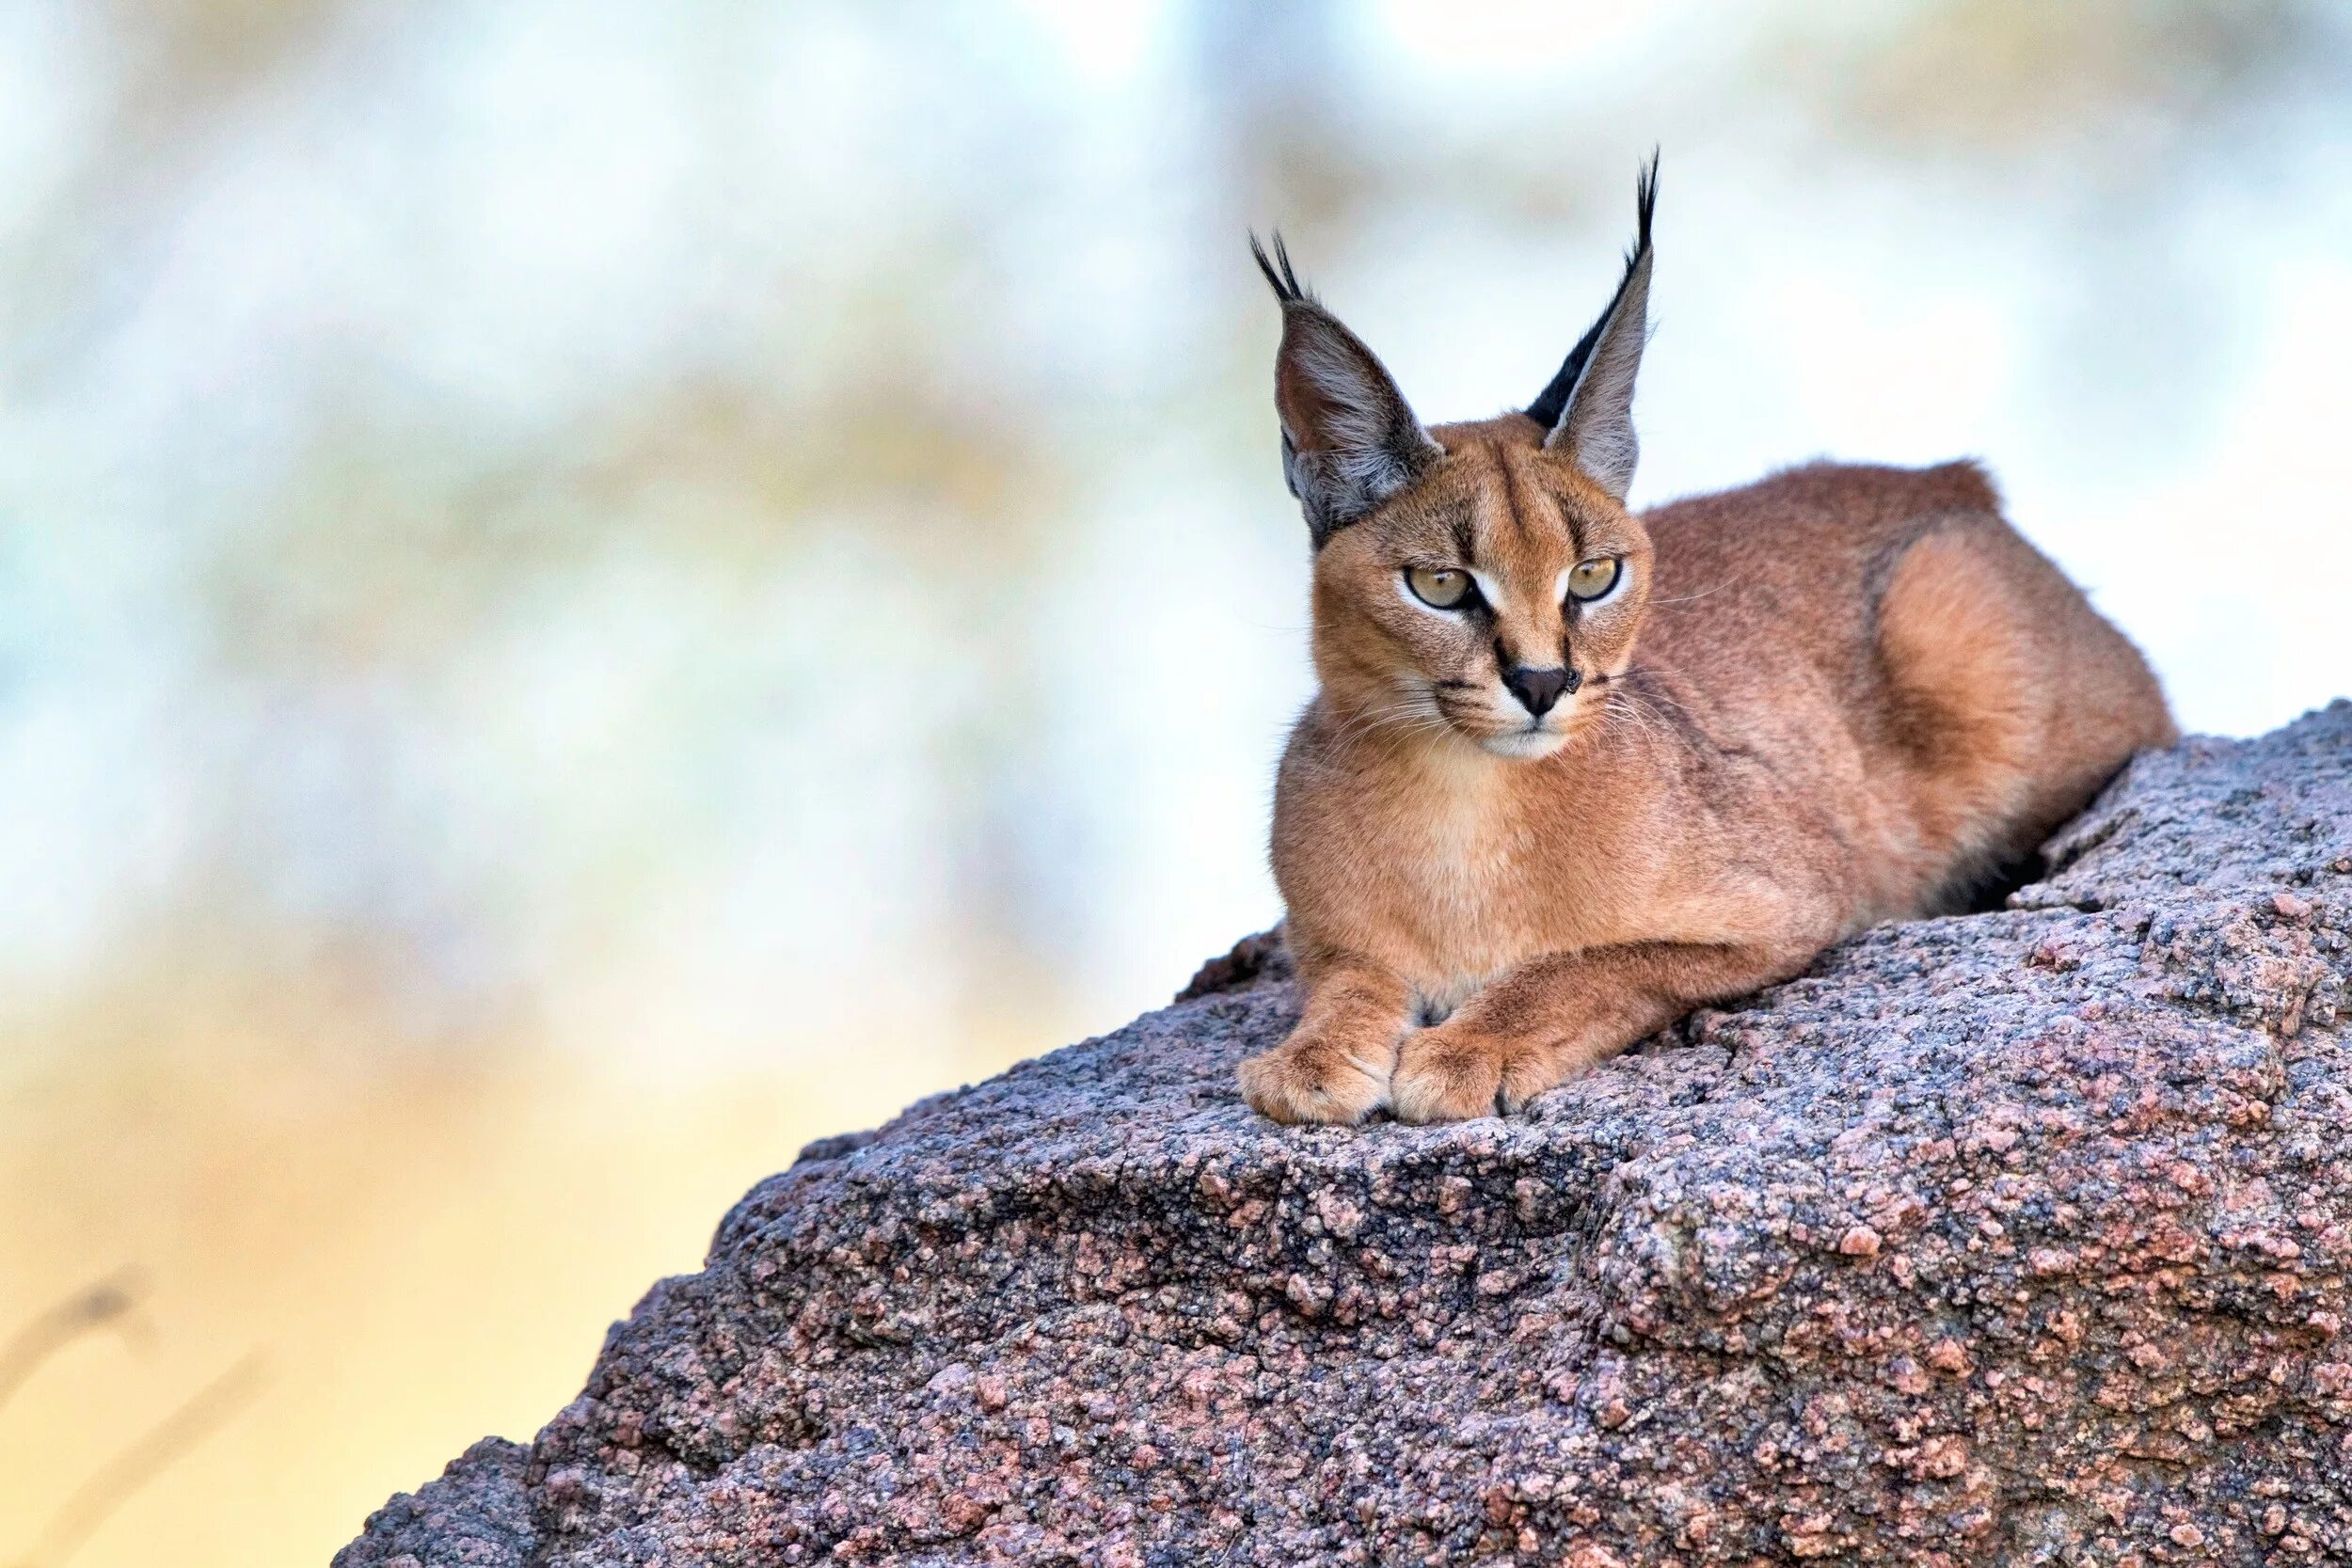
(592, 591)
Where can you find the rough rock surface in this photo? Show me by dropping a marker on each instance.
(2018, 1237)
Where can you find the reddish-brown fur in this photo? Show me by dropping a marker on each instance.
(1840, 695)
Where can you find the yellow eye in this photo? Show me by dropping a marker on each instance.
(1439, 589)
(1590, 580)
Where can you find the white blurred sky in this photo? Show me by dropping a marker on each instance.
(356, 591)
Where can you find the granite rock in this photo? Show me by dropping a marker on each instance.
(2015, 1237)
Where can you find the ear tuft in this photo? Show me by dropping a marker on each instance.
(1278, 271)
(1552, 401)
(1588, 405)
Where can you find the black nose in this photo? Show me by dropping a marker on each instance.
(1537, 690)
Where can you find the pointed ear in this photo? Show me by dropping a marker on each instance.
(1589, 406)
(1350, 439)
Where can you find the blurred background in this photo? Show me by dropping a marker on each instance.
(590, 592)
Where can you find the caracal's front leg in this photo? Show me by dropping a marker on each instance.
(1553, 1017)
(1335, 1065)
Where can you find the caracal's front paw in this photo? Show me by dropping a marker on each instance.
(1449, 1073)
(1317, 1079)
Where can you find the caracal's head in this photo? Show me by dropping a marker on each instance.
(1474, 582)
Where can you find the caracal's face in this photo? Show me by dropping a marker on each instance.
(1492, 601)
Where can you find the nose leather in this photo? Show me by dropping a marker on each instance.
(1538, 690)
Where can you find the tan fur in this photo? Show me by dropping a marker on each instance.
(1841, 695)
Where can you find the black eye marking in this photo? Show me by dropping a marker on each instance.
(1463, 539)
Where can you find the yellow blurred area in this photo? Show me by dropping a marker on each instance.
(593, 589)
(414, 1260)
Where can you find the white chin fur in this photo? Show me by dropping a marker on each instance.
(1524, 743)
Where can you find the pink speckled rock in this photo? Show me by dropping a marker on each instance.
(2020, 1237)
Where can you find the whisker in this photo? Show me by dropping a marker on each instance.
(1636, 712)
(1653, 693)
(1411, 715)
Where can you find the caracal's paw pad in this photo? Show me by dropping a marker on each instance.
(1316, 1081)
(1447, 1074)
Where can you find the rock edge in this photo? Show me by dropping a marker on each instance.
(2014, 1237)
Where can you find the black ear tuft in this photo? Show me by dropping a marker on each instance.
(1278, 271)
(1553, 401)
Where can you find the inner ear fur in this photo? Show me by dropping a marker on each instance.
(1349, 438)
(1588, 405)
